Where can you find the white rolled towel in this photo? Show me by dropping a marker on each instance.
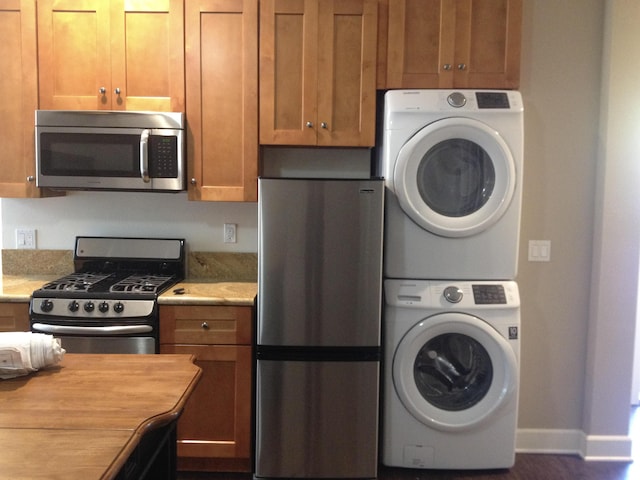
(24, 352)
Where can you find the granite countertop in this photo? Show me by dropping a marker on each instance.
(212, 278)
(196, 291)
(202, 292)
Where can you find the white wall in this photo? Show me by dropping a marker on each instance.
(59, 220)
(612, 319)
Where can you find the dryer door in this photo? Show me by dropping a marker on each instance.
(453, 371)
(455, 177)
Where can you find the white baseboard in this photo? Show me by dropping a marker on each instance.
(610, 448)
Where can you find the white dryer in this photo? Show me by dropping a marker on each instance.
(452, 162)
(451, 374)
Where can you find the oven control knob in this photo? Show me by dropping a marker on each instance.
(89, 307)
(103, 307)
(452, 294)
(74, 306)
(118, 307)
(46, 305)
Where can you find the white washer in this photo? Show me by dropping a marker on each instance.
(452, 162)
(451, 374)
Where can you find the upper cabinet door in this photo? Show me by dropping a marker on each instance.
(74, 54)
(147, 55)
(97, 54)
(222, 99)
(453, 43)
(318, 72)
(488, 44)
(347, 39)
(18, 82)
(288, 71)
(421, 39)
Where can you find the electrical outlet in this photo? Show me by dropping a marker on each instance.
(26, 238)
(230, 232)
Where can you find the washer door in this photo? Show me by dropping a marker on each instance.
(455, 177)
(453, 371)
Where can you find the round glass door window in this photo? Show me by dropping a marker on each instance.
(455, 177)
(453, 371)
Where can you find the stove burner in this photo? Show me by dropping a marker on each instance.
(76, 282)
(140, 283)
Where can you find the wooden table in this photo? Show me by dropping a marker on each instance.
(93, 416)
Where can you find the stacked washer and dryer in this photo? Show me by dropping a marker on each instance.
(452, 162)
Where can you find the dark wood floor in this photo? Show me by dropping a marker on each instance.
(527, 467)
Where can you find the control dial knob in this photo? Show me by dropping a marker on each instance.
(103, 307)
(457, 100)
(89, 307)
(74, 306)
(118, 307)
(46, 305)
(452, 294)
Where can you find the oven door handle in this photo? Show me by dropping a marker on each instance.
(109, 330)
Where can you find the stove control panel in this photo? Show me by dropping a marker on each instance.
(92, 308)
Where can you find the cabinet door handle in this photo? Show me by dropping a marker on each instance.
(205, 326)
(309, 124)
(30, 178)
(194, 181)
(102, 90)
(462, 66)
(117, 91)
(446, 66)
(324, 125)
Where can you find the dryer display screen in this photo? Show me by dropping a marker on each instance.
(489, 294)
(492, 100)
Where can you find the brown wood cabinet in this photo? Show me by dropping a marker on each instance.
(453, 43)
(14, 317)
(318, 72)
(19, 84)
(222, 98)
(214, 432)
(111, 55)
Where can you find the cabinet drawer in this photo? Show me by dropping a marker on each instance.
(205, 325)
(14, 317)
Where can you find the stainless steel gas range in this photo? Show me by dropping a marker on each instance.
(109, 304)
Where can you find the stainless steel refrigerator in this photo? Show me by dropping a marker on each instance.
(318, 328)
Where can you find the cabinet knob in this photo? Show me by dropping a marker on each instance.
(194, 181)
(102, 90)
(309, 124)
(30, 178)
(447, 66)
(462, 66)
(117, 91)
(205, 326)
(324, 125)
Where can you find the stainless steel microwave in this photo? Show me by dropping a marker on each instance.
(110, 150)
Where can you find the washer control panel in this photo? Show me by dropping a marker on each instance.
(452, 294)
(489, 294)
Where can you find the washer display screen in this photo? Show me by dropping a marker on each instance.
(453, 371)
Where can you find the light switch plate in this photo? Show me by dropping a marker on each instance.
(25, 238)
(539, 250)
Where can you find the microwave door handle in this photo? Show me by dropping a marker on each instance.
(144, 156)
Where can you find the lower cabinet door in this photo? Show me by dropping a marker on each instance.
(214, 431)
